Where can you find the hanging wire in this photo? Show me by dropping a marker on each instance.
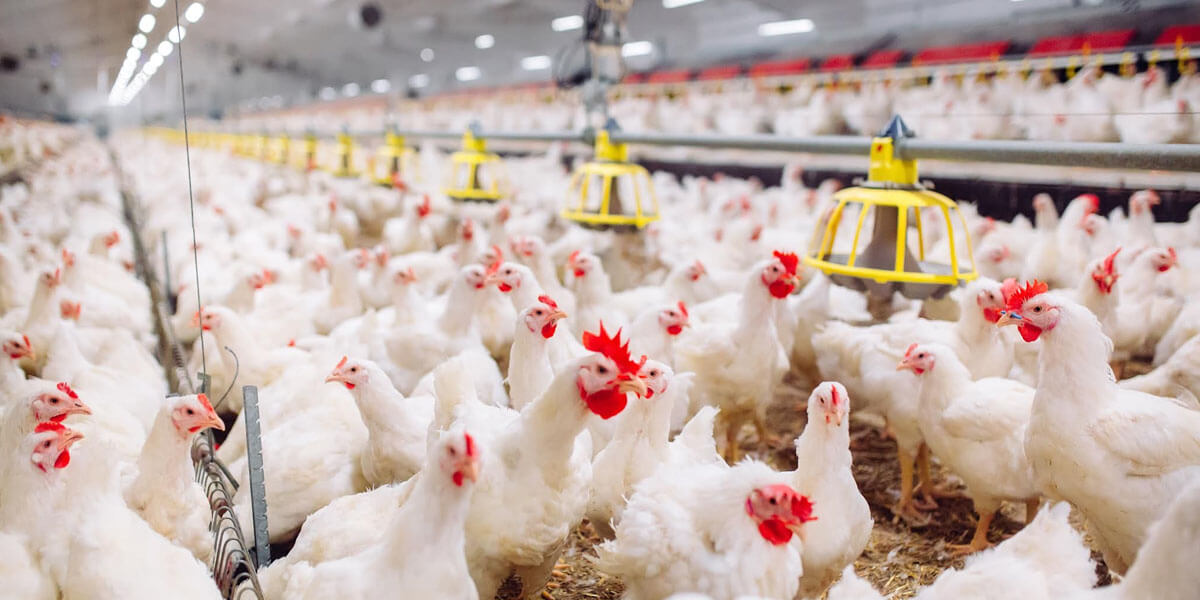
(191, 200)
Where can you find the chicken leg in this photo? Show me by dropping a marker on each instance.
(929, 491)
(765, 437)
(907, 507)
(733, 426)
(978, 541)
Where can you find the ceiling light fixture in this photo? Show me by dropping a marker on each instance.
(419, 80)
(485, 41)
(176, 34)
(132, 54)
(194, 11)
(535, 63)
(381, 86)
(786, 27)
(637, 48)
(138, 41)
(678, 3)
(157, 3)
(350, 90)
(567, 23)
(467, 73)
(146, 24)
(165, 48)
(427, 54)
(328, 93)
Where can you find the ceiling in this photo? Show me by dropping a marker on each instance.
(258, 52)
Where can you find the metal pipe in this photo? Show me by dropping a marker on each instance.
(1162, 157)
(831, 144)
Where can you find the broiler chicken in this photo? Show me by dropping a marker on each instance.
(823, 474)
(727, 532)
(421, 551)
(1088, 437)
(738, 363)
(977, 429)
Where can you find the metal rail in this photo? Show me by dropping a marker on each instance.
(1161, 157)
(232, 568)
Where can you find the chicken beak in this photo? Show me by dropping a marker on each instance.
(70, 436)
(904, 366)
(836, 417)
(798, 529)
(558, 315)
(335, 376)
(470, 469)
(1008, 317)
(79, 409)
(635, 385)
(214, 422)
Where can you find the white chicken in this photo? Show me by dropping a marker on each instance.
(823, 474)
(421, 551)
(1088, 437)
(977, 429)
(722, 531)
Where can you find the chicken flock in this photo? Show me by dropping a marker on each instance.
(449, 391)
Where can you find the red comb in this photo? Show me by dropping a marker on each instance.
(1093, 201)
(203, 398)
(494, 268)
(683, 308)
(341, 363)
(49, 426)
(1018, 298)
(790, 261)
(27, 344)
(66, 389)
(612, 348)
(424, 208)
(1108, 260)
(573, 257)
(1174, 256)
(911, 347)
(548, 301)
(470, 443)
(833, 395)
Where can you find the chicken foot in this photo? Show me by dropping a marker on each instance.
(978, 541)
(1031, 509)
(733, 426)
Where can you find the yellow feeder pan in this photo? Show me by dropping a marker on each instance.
(613, 193)
(310, 152)
(895, 198)
(474, 172)
(344, 163)
(392, 162)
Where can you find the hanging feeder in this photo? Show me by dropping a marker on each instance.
(613, 192)
(344, 164)
(475, 173)
(393, 161)
(283, 149)
(896, 200)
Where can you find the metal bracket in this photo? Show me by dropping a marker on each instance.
(258, 486)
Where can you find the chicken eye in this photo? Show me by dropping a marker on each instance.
(53, 400)
(772, 501)
(602, 369)
(453, 452)
(1037, 309)
(46, 444)
(190, 412)
(353, 369)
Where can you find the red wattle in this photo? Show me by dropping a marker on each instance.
(774, 531)
(349, 386)
(605, 403)
(1029, 332)
(548, 330)
(580, 273)
(458, 478)
(991, 314)
(781, 289)
(63, 460)
(675, 329)
(504, 287)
